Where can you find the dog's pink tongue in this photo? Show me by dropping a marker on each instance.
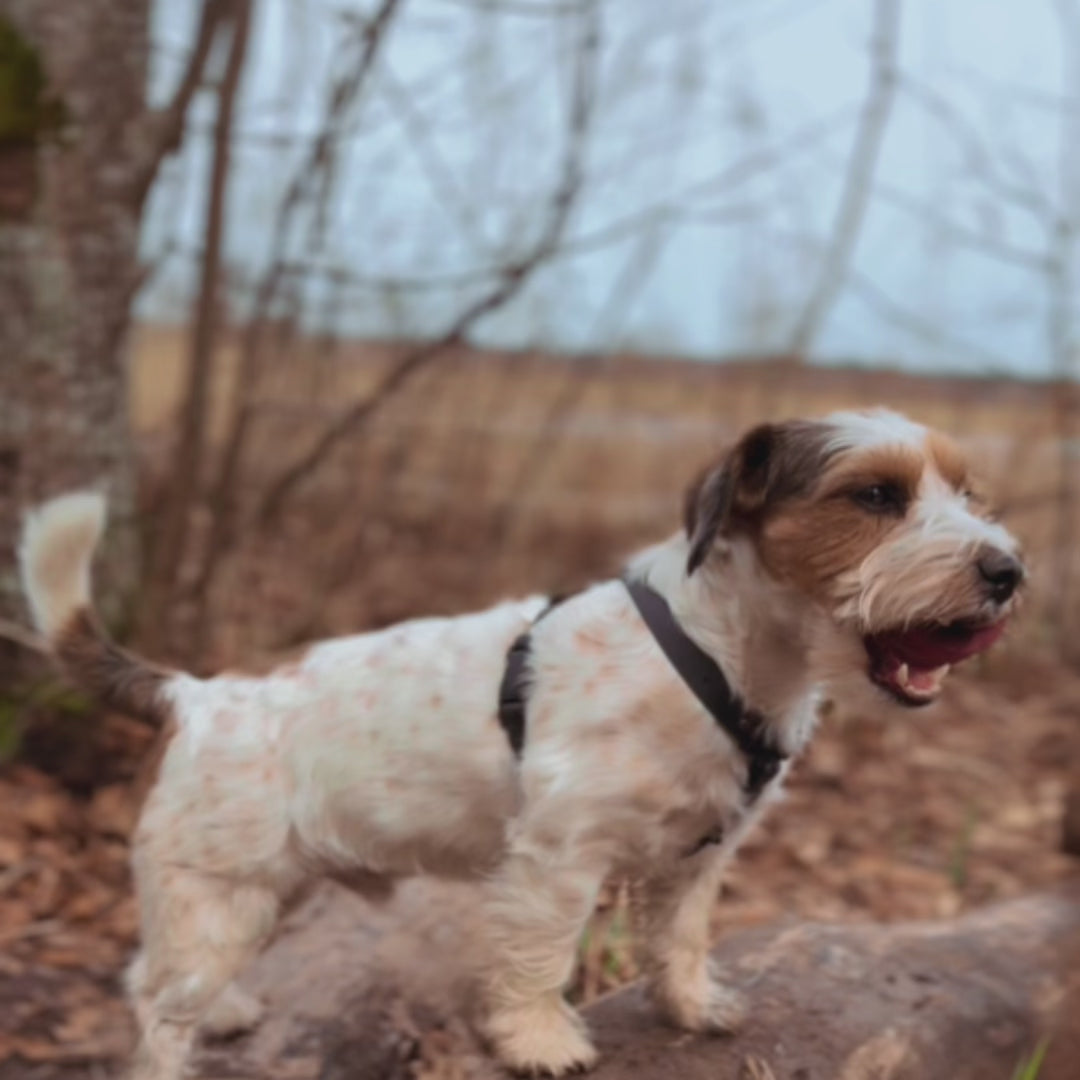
(930, 647)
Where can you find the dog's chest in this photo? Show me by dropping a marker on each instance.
(716, 815)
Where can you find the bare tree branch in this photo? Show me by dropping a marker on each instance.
(624, 289)
(879, 301)
(1017, 93)
(440, 176)
(859, 182)
(1061, 326)
(674, 208)
(143, 275)
(1034, 261)
(510, 282)
(313, 172)
(913, 323)
(519, 7)
(165, 127)
(186, 472)
(980, 162)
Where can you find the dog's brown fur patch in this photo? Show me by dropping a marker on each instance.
(110, 674)
(948, 459)
(900, 466)
(811, 542)
(770, 465)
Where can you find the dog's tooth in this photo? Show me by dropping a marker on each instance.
(936, 676)
(902, 674)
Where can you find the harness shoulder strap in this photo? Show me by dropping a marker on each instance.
(514, 688)
(745, 727)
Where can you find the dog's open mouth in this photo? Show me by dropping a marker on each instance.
(912, 664)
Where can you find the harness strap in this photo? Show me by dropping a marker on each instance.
(514, 689)
(513, 693)
(702, 675)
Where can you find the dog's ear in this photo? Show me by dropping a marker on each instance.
(770, 462)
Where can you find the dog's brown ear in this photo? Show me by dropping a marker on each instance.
(736, 485)
(770, 462)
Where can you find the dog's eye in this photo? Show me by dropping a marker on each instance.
(881, 499)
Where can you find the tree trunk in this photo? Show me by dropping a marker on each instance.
(71, 184)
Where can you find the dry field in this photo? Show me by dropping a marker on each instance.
(495, 472)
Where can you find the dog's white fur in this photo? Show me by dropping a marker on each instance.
(380, 756)
(58, 542)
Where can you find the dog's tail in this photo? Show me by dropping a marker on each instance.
(58, 543)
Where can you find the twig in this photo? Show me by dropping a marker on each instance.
(864, 287)
(1034, 261)
(980, 161)
(440, 176)
(518, 7)
(318, 160)
(626, 286)
(165, 127)
(1061, 328)
(511, 280)
(855, 198)
(673, 208)
(186, 472)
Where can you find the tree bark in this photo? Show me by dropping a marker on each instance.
(68, 268)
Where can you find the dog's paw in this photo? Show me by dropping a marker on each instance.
(542, 1039)
(701, 1004)
(235, 1012)
(725, 1011)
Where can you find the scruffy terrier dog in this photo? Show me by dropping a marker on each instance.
(643, 726)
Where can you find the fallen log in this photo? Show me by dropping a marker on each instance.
(968, 999)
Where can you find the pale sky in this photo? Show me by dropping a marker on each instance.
(722, 125)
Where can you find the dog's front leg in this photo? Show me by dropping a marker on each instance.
(671, 922)
(537, 907)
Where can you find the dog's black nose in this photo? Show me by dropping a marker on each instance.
(1001, 573)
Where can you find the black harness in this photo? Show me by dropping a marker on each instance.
(745, 727)
(514, 689)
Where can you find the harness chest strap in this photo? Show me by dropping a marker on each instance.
(702, 675)
(514, 689)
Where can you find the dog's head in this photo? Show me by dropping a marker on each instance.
(874, 522)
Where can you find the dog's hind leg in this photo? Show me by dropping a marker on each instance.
(235, 1011)
(198, 933)
(671, 926)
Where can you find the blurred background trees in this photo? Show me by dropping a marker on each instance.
(368, 308)
(769, 180)
(291, 279)
(77, 157)
(298, 275)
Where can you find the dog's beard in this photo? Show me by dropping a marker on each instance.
(907, 621)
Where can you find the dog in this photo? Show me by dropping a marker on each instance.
(843, 556)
